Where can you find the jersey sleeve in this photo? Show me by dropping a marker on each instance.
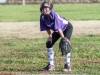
(43, 26)
(58, 21)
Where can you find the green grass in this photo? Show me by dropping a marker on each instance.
(19, 55)
(87, 11)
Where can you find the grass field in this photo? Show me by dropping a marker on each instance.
(26, 56)
(29, 55)
(88, 11)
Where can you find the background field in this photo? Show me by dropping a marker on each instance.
(29, 55)
(26, 55)
(89, 11)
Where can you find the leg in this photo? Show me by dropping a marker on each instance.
(68, 33)
(49, 45)
(50, 52)
(55, 37)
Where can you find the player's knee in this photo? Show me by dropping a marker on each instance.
(48, 44)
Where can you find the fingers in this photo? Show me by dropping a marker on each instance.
(69, 41)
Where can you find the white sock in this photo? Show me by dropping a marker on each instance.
(67, 58)
(50, 53)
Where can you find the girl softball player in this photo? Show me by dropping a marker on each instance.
(61, 27)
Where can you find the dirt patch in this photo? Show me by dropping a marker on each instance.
(32, 29)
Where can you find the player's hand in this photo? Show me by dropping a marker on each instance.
(66, 40)
(49, 39)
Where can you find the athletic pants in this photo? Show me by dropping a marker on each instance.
(55, 35)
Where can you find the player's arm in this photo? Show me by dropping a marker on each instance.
(50, 36)
(60, 33)
(49, 32)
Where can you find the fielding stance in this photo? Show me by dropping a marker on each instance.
(50, 20)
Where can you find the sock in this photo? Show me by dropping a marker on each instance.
(50, 53)
(67, 58)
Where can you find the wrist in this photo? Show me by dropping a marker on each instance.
(50, 35)
(62, 36)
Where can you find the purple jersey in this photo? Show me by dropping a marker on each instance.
(56, 22)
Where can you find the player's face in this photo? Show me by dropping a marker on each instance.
(46, 10)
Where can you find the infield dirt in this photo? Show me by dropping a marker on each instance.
(32, 29)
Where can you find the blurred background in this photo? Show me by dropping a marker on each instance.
(39, 1)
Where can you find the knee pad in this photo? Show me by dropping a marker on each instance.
(48, 44)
